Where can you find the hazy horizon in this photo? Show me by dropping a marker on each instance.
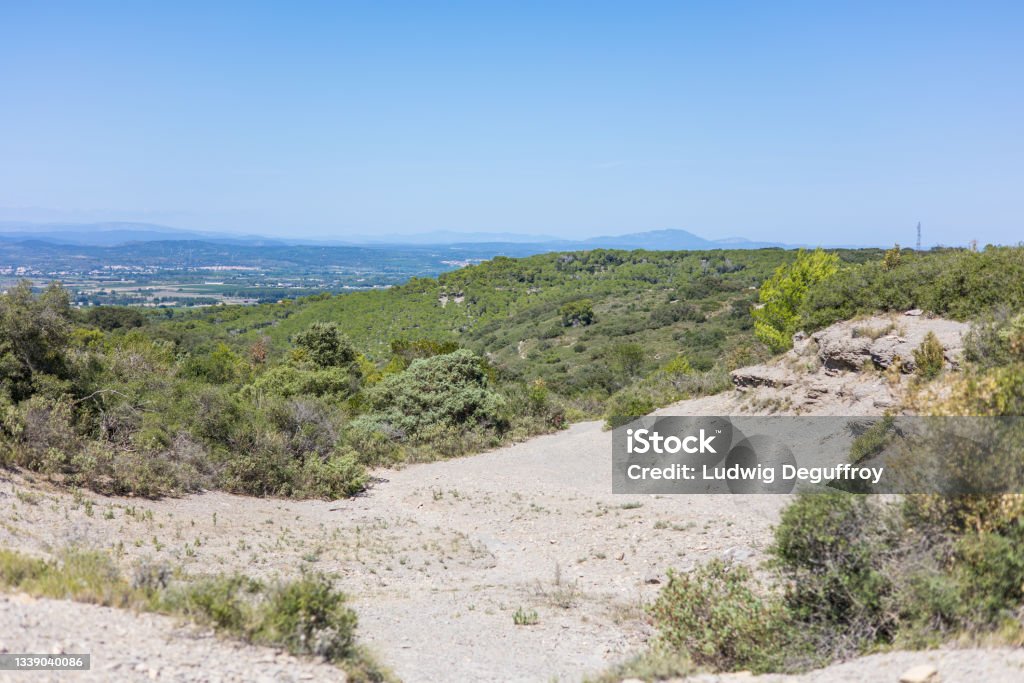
(798, 124)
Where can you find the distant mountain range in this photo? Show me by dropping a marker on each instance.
(117, 234)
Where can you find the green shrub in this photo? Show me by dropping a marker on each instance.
(575, 313)
(523, 617)
(263, 468)
(325, 345)
(224, 602)
(832, 549)
(17, 569)
(873, 440)
(308, 616)
(930, 603)
(990, 570)
(406, 351)
(449, 390)
(303, 381)
(339, 476)
(83, 576)
(627, 406)
(953, 282)
(34, 333)
(928, 357)
(717, 617)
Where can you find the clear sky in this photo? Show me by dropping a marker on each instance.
(814, 122)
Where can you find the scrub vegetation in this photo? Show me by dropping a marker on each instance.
(305, 616)
(851, 574)
(298, 398)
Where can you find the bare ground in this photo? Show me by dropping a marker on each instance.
(438, 557)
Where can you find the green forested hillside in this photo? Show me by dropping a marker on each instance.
(693, 304)
(297, 398)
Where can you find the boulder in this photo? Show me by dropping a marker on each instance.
(922, 673)
(838, 349)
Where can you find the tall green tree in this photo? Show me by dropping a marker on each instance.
(777, 317)
(33, 336)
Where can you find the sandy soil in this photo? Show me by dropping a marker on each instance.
(438, 557)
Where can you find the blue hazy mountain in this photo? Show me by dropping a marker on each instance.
(116, 234)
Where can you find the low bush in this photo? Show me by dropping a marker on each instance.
(306, 616)
(928, 358)
(718, 618)
(832, 552)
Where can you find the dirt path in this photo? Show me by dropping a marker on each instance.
(439, 557)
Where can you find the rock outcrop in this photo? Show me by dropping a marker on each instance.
(885, 341)
(855, 367)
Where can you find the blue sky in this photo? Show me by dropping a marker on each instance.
(799, 122)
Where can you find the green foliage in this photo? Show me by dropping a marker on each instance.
(955, 283)
(928, 358)
(450, 390)
(857, 575)
(716, 616)
(873, 440)
(831, 550)
(339, 476)
(778, 317)
(627, 406)
(406, 351)
(892, 259)
(83, 576)
(219, 366)
(674, 381)
(295, 380)
(579, 312)
(523, 617)
(33, 334)
(989, 571)
(109, 318)
(308, 616)
(325, 345)
(224, 602)
(996, 340)
(675, 311)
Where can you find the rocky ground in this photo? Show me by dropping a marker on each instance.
(437, 558)
(997, 665)
(858, 367)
